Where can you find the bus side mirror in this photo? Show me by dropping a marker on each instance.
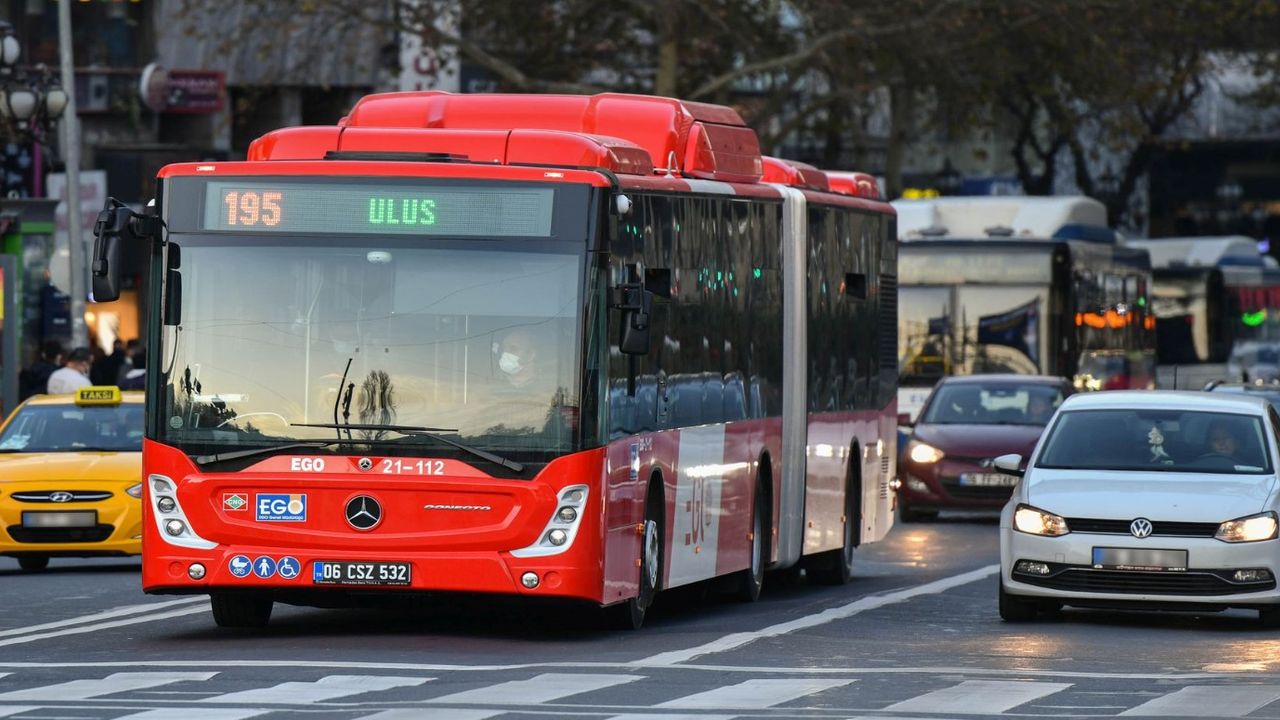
(636, 304)
(109, 230)
(116, 224)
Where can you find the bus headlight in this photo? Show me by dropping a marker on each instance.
(558, 535)
(172, 522)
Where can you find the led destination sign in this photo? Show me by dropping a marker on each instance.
(290, 207)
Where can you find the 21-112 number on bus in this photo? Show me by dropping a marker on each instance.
(252, 207)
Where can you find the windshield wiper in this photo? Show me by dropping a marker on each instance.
(427, 432)
(317, 445)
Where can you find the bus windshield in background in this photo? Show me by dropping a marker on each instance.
(969, 329)
(363, 207)
(277, 331)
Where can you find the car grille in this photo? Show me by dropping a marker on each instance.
(97, 533)
(1191, 582)
(46, 496)
(1159, 528)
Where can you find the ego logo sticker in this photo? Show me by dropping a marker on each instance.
(272, 507)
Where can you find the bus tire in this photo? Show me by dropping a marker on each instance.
(240, 611)
(33, 563)
(629, 614)
(750, 582)
(835, 567)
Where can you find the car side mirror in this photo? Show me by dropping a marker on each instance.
(1010, 464)
(904, 420)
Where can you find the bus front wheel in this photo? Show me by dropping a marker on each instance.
(629, 614)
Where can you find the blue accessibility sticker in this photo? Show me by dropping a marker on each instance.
(288, 567)
(264, 567)
(240, 566)
(280, 507)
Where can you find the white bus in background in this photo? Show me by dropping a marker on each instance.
(1032, 285)
(1217, 307)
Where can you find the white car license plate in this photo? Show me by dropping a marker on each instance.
(987, 480)
(1139, 559)
(361, 573)
(70, 519)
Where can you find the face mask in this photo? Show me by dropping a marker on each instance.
(509, 363)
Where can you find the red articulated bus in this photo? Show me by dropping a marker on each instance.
(556, 346)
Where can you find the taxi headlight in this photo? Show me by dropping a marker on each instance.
(1248, 529)
(135, 490)
(1034, 521)
(923, 453)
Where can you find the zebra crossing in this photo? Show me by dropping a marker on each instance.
(642, 693)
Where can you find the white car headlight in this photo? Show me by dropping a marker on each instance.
(134, 491)
(1248, 529)
(1038, 522)
(922, 453)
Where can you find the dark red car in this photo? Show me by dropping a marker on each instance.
(964, 424)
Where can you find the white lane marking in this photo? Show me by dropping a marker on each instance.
(1208, 701)
(736, 640)
(540, 689)
(16, 710)
(435, 714)
(152, 617)
(104, 615)
(753, 694)
(326, 688)
(115, 683)
(979, 697)
(745, 669)
(188, 713)
(678, 716)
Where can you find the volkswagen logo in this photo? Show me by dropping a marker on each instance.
(363, 513)
(1140, 528)
(61, 496)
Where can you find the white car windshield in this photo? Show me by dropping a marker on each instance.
(1160, 440)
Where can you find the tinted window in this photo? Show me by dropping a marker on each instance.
(1163, 440)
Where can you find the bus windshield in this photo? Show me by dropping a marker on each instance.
(279, 332)
(950, 330)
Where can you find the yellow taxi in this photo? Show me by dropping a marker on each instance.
(70, 476)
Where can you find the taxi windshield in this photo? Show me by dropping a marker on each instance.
(75, 428)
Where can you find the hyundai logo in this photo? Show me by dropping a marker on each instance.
(363, 513)
(61, 496)
(1140, 528)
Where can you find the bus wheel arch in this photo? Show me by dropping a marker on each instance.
(630, 613)
(835, 567)
(750, 582)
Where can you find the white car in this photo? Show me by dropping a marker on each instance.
(1145, 500)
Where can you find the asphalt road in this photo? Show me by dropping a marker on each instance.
(916, 635)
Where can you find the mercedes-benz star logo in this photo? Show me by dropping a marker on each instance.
(61, 496)
(1140, 527)
(365, 464)
(363, 512)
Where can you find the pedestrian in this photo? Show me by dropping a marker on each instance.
(132, 350)
(74, 373)
(35, 379)
(135, 377)
(107, 370)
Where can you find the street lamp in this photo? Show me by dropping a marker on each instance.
(29, 103)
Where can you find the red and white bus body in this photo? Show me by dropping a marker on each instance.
(769, 380)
